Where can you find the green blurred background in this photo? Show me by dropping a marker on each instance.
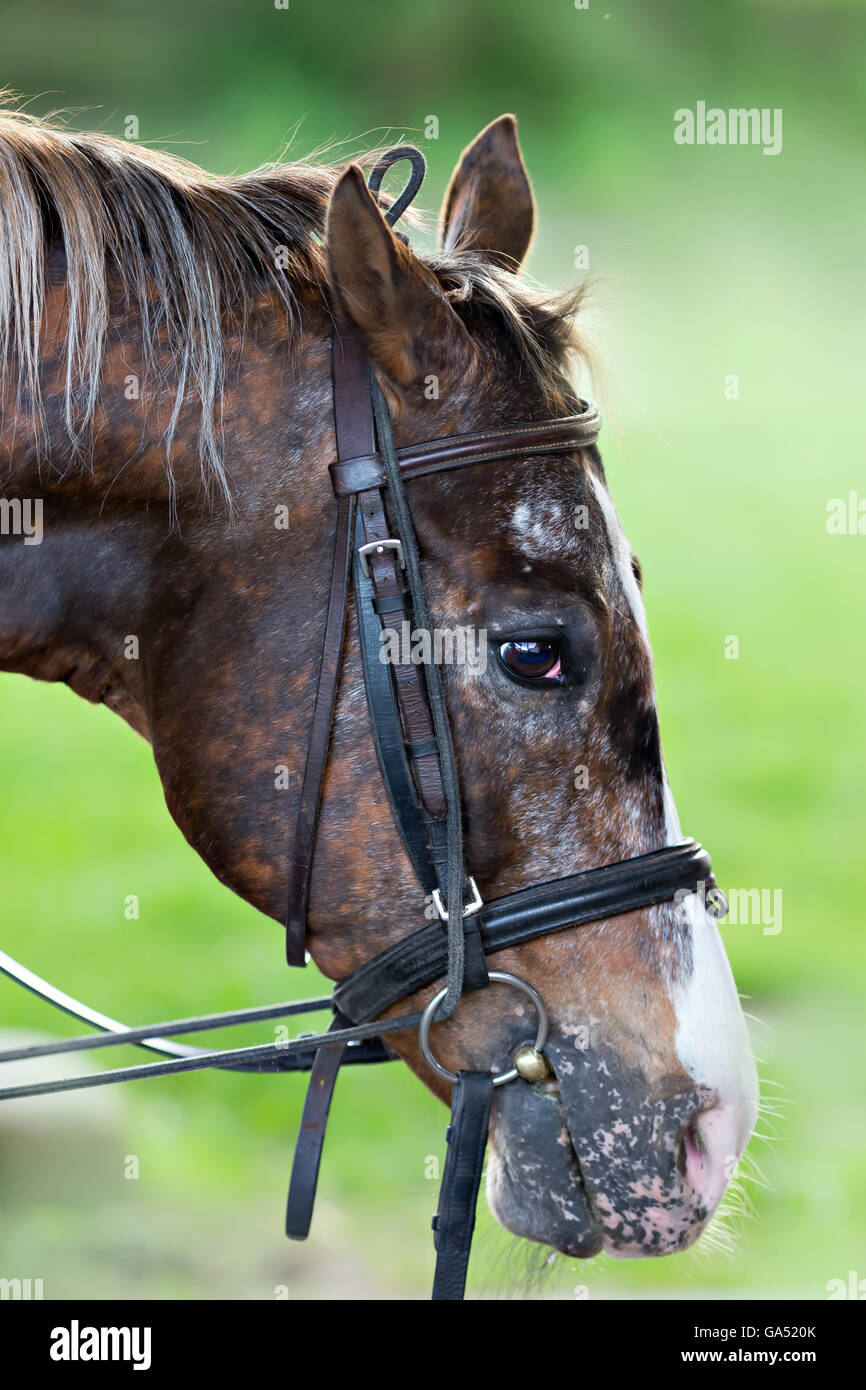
(709, 261)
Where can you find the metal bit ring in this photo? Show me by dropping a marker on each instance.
(500, 977)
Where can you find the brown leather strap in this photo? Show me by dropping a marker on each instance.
(353, 425)
(311, 1136)
(304, 840)
(353, 414)
(365, 470)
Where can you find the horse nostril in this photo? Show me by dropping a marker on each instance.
(709, 1150)
(692, 1151)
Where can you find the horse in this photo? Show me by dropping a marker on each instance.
(166, 401)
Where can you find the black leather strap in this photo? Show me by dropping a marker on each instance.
(466, 966)
(311, 1137)
(421, 957)
(387, 731)
(454, 1221)
(356, 1054)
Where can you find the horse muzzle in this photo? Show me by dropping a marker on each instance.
(596, 1159)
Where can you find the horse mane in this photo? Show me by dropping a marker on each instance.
(192, 253)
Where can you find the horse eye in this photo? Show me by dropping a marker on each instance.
(532, 660)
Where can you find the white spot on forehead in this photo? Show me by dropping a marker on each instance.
(541, 525)
(621, 552)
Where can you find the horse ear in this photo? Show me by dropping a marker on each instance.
(407, 327)
(489, 205)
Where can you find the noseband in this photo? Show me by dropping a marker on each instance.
(375, 543)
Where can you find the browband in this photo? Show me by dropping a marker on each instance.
(457, 451)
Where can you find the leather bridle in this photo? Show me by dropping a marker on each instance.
(375, 544)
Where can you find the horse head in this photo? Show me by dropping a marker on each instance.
(167, 400)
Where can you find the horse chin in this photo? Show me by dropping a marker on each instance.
(534, 1184)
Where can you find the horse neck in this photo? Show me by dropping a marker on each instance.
(154, 614)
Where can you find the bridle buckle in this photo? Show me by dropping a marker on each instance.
(379, 548)
(469, 910)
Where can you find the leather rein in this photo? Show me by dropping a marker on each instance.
(375, 548)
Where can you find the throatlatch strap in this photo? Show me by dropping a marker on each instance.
(353, 427)
(454, 1221)
(304, 840)
(311, 1137)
